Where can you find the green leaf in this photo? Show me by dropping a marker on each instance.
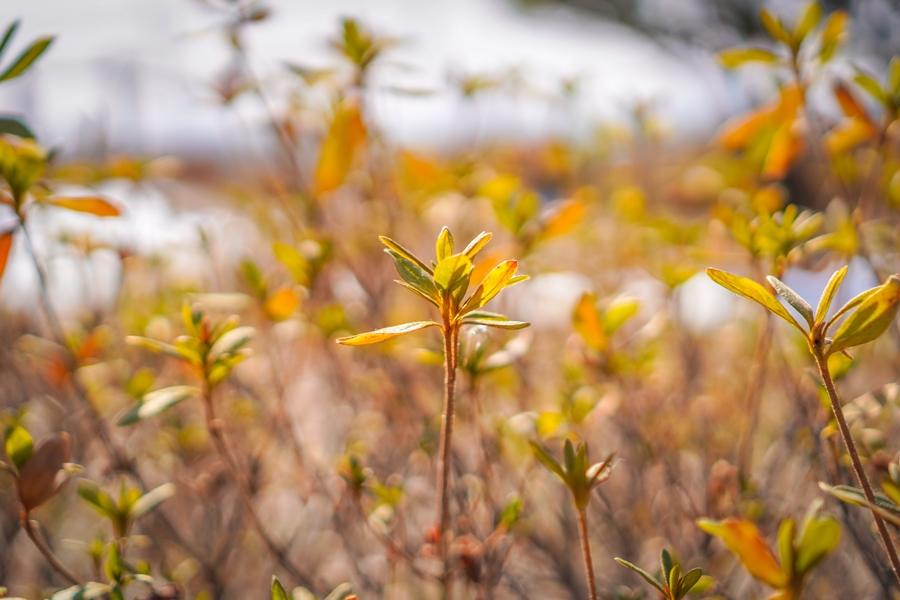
(647, 576)
(340, 592)
(151, 500)
(774, 26)
(497, 279)
(618, 313)
(786, 532)
(451, 270)
(98, 499)
(753, 291)
(831, 34)
(810, 17)
(828, 294)
(736, 57)
(674, 580)
(157, 401)
(547, 459)
(893, 78)
(231, 341)
(400, 250)
(295, 262)
(690, 579)
(10, 31)
(153, 345)
(819, 538)
(418, 278)
(25, 59)
(666, 562)
(569, 458)
(444, 247)
(19, 445)
(17, 127)
(379, 335)
(794, 299)
(278, 591)
(873, 317)
(477, 244)
(853, 303)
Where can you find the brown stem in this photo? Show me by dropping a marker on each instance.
(754, 395)
(822, 363)
(30, 528)
(586, 552)
(451, 348)
(214, 426)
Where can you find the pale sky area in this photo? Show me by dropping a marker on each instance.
(137, 72)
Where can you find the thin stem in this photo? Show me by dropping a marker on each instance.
(451, 348)
(30, 528)
(214, 426)
(754, 395)
(586, 552)
(822, 363)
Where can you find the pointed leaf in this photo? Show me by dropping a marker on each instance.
(25, 59)
(884, 506)
(400, 250)
(753, 291)
(794, 299)
(98, 499)
(495, 323)
(497, 279)
(10, 31)
(295, 262)
(647, 576)
(745, 540)
(444, 246)
(586, 320)
(16, 127)
(870, 85)
(379, 335)
(774, 26)
(278, 591)
(666, 562)
(873, 317)
(828, 294)
(547, 459)
(88, 204)
(569, 456)
(341, 592)
(346, 137)
(786, 552)
(450, 270)
(157, 401)
(809, 18)
(674, 580)
(417, 277)
(477, 244)
(819, 538)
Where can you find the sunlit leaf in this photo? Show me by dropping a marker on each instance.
(753, 291)
(157, 401)
(873, 317)
(745, 540)
(278, 591)
(811, 14)
(295, 262)
(88, 204)
(784, 149)
(786, 551)
(741, 130)
(444, 246)
(849, 134)
(477, 244)
(416, 278)
(31, 54)
(498, 278)
(507, 324)
(399, 250)
(774, 26)
(231, 341)
(618, 313)
(820, 536)
(868, 83)
(379, 335)
(832, 33)
(828, 294)
(794, 299)
(19, 445)
(884, 506)
(740, 56)
(547, 459)
(848, 103)
(450, 270)
(690, 579)
(563, 219)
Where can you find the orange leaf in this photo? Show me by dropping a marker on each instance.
(789, 103)
(281, 304)
(346, 134)
(745, 540)
(848, 135)
(784, 149)
(94, 205)
(739, 131)
(848, 103)
(5, 246)
(563, 219)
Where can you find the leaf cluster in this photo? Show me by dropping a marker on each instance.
(672, 584)
(576, 472)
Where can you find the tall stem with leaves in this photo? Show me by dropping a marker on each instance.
(445, 284)
(868, 316)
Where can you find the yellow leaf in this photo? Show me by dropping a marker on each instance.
(282, 304)
(586, 320)
(5, 246)
(87, 204)
(744, 539)
(346, 135)
(871, 319)
(548, 422)
(629, 202)
(496, 280)
(752, 291)
(736, 57)
(379, 335)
